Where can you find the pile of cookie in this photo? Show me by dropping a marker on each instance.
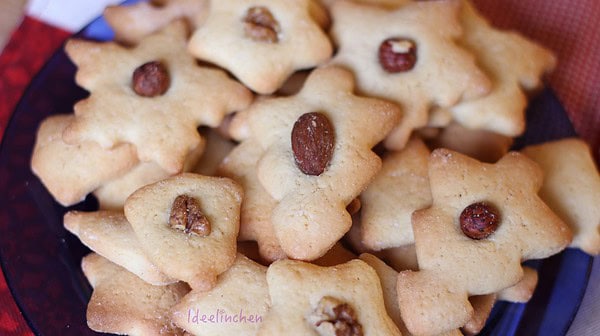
(311, 167)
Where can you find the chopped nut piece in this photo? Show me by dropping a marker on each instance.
(313, 142)
(151, 79)
(334, 317)
(187, 216)
(397, 54)
(479, 220)
(260, 25)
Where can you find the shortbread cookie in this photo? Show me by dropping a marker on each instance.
(261, 42)
(388, 276)
(149, 96)
(400, 188)
(479, 144)
(122, 303)
(402, 55)
(315, 163)
(523, 290)
(514, 65)
(187, 225)
(482, 307)
(258, 205)
(110, 235)
(70, 172)
(236, 306)
(571, 188)
(113, 194)
(131, 23)
(485, 220)
(312, 300)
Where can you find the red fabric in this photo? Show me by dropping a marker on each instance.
(568, 27)
(24, 55)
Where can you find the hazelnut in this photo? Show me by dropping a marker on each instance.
(312, 143)
(397, 54)
(151, 79)
(187, 216)
(260, 25)
(479, 220)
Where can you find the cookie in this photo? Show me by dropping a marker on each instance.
(314, 165)
(131, 23)
(113, 194)
(388, 277)
(485, 220)
(148, 96)
(515, 66)
(261, 42)
(258, 205)
(399, 188)
(122, 303)
(311, 300)
(482, 307)
(236, 305)
(479, 144)
(571, 188)
(402, 55)
(110, 235)
(523, 290)
(187, 225)
(70, 172)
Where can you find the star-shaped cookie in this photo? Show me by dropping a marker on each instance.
(485, 220)
(236, 306)
(124, 304)
(187, 226)
(70, 172)
(400, 188)
(110, 235)
(261, 42)
(257, 206)
(513, 63)
(404, 56)
(571, 187)
(128, 104)
(312, 300)
(317, 157)
(131, 23)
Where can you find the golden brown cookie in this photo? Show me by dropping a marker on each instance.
(187, 225)
(148, 96)
(314, 162)
(70, 172)
(311, 300)
(236, 305)
(400, 188)
(261, 42)
(110, 235)
(571, 188)
(131, 23)
(485, 220)
(402, 55)
(122, 303)
(514, 64)
(258, 205)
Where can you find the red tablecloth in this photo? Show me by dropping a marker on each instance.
(570, 28)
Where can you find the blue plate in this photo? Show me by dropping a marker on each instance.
(41, 261)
